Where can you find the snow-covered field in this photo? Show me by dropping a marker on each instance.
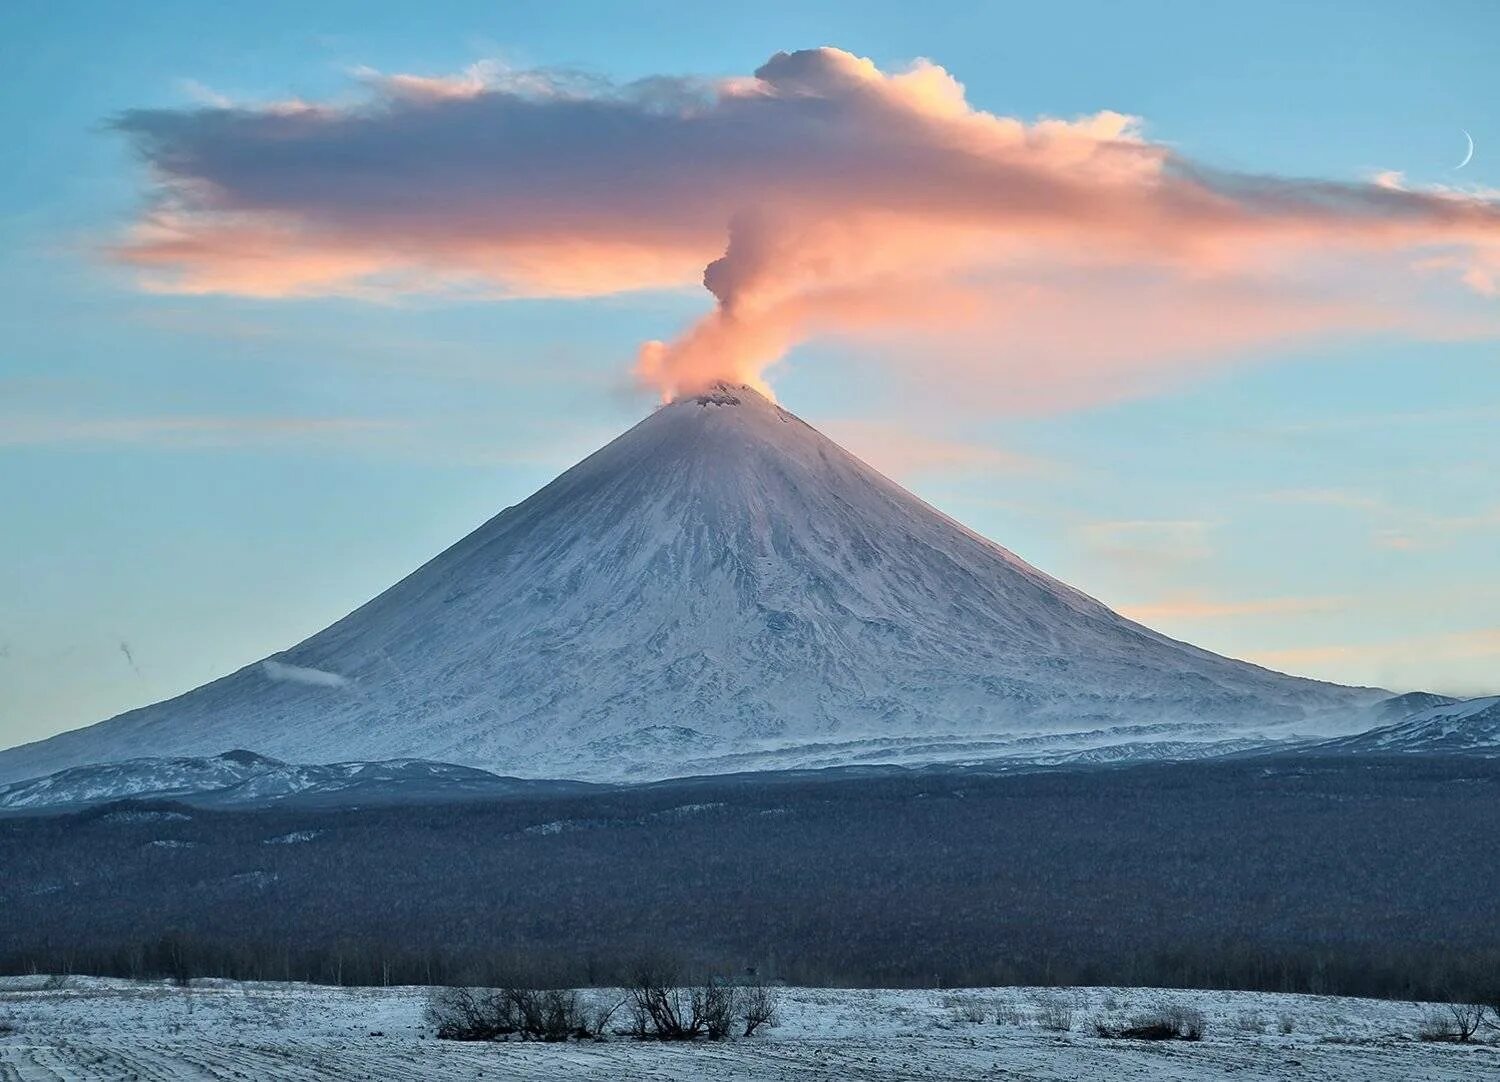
(91, 1028)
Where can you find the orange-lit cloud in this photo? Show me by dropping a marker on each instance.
(1049, 261)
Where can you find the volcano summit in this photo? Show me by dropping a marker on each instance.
(720, 588)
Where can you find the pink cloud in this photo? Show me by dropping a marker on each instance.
(1041, 263)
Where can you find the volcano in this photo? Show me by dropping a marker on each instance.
(720, 588)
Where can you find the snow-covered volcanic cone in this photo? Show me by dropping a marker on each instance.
(720, 588)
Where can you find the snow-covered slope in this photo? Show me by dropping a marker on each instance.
(135, 777)
(243, 778)
(1400, 707)
(1471, 726)
(721, 587)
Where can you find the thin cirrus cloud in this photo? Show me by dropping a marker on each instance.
(1200, 607)
(1040, 264)
(902, 453)
(182, 432)
(1149, 541)
(1443, 661)
(1398, 528)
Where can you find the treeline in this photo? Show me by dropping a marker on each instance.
(1398, 972)
(1365, 877)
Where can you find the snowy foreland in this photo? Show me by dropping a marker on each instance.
(89, 1028)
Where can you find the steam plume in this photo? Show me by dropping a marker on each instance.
(819, 196)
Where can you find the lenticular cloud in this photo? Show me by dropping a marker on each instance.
(820, 196)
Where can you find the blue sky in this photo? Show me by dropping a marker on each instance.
(207, 479)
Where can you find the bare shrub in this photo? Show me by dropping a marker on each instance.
(1007, 1014)
(717, 1005)
(659, 1008)
(1249, 1022)
(1456, 1022)
(488, 1014)
(1434, 1026)
(470, 1014)
(759, 1005)
(970, 1009)
(553, 1014)
(597, 1015)
(1168, 1023)
(1286, 1024)
(1054, 1013)
(663, 1010)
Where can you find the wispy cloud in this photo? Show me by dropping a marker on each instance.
(1401, 662)
(1149, 542)
(1053, 260)
(283, 673)
(1201, 607)
(1386, 419)
(183, 432)
(1395, 527)
(901, 452)
(1419, 530)
(1328, 497)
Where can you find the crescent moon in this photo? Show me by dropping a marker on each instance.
(1470, 154)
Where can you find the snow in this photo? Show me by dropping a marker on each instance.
(1470, 725)
(720, 588)
(161, 776)
(296, 837)
(94, 1028)
(233, 778)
